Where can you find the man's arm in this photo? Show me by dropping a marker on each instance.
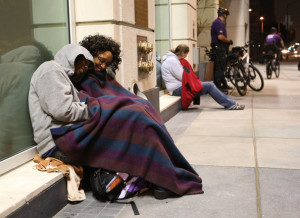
(57, 100)
(279, 39)
(224, 39)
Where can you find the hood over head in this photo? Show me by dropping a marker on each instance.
(66, 56)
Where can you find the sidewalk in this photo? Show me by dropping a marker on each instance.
(249, 160)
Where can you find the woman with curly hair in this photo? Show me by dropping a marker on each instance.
(105, 50)
(124, 133)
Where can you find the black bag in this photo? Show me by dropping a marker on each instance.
(106, 184)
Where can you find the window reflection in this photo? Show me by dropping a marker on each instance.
(28, 37)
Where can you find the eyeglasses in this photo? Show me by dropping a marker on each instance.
(103, 61)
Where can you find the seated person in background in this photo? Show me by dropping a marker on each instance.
(172, 73)
(53, 99)
(159, 80)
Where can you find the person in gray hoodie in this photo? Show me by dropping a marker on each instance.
(53, 100)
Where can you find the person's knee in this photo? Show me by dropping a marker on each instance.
(213, 86)
(210, 85)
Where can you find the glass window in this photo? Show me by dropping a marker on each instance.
(32, 31)
(162, 36)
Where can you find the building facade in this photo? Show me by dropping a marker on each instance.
(32, 31)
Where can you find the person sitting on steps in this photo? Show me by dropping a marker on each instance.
(172, 72)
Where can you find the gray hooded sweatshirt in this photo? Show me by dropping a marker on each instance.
(53, 100)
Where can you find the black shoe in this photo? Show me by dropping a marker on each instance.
(161, 193)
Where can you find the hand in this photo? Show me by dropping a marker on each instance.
(230, 42)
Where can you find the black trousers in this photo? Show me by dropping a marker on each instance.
(87, 171)
(58, 154)
(220, 53)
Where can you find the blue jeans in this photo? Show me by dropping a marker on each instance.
(211, 89)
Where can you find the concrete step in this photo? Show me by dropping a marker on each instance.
(169, 106)
(27, 192)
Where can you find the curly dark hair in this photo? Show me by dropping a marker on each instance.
(99, 43)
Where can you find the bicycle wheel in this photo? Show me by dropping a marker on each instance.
(229, 75)
(277, 69)
(256, 81)
(269, 70)
(240, 83)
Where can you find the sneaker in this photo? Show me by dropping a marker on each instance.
(236, 107)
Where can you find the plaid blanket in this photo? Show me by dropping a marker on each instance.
(126, 134)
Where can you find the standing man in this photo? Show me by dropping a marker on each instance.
(220, 44)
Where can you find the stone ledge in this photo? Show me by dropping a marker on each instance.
(169, 106)
(167, 100)
(19, 186)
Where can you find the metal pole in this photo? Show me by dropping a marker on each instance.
(287, 23)
(72, 26)
(170, 24)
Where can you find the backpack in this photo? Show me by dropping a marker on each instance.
(105, 184)
(109, 185)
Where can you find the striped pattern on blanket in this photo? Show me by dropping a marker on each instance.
(126, 134)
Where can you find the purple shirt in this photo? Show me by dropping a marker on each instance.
(217, 28)
(273, 39)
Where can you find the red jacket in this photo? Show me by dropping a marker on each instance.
(191, 85)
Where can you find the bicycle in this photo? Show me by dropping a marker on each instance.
(241, 72)
(272, 64)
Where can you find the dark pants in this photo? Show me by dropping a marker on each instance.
(219, 65)
(275, 49)
(87, 171)
(58, 154)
